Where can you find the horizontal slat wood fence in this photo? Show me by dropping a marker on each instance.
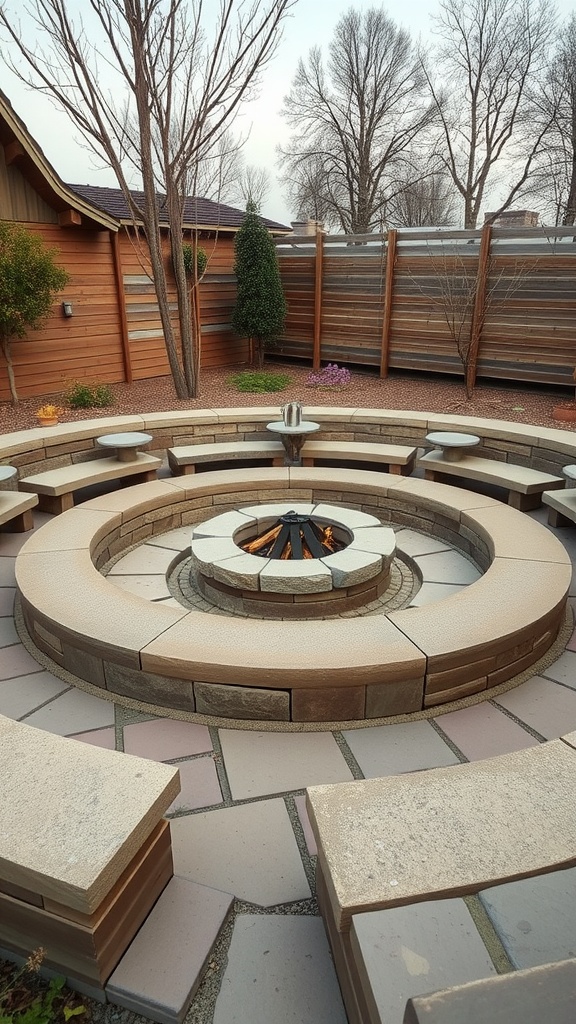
(388, 301)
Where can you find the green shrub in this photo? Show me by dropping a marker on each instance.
(259, 381)
(89, 396)
(25, 999)
(201, 260)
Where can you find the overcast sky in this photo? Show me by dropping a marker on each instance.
(311, 23)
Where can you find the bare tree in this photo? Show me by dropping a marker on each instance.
(426, 197)
(254, 185)
(176, 87)
(554, 178)
(354, 120)
(465, 295)
(491, 53)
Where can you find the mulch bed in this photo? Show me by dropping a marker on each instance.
(518, 403)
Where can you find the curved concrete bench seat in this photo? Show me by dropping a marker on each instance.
(34, 451)
(334, 669)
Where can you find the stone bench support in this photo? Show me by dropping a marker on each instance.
(84, 852)
(16, 514)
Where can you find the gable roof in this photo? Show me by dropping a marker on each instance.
(198, 213)
(22, 150)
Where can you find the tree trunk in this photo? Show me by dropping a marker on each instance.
(10, 369)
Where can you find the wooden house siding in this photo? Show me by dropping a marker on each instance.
(86, 346)
(18, 200)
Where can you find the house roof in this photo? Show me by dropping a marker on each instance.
(22, 150)
(198, 213)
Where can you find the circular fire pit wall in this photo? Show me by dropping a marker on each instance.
(275, 584)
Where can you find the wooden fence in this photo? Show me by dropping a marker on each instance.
(401, 300)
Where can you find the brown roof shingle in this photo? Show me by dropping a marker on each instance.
(196, 211)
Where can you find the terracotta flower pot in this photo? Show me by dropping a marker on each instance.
(47, 421)
(565, 413)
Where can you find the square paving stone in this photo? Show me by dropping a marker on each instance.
(407, 951)
(447, 567)
(199, 785)
(73, 711)
(548, 708)
(7, 595)
(162, 968)
(563, 670)
(249, 850)
(279, 969)
(152, 587)
(8, 634)
(163, 739)
(484, 731)
(20, 696)
(258, 763)
(535, 917)
(430, 592)
(415, 543)
(7, 577)
(105, 738)
(176, 540)
(394, 749)
(143, 560)
(16, 661)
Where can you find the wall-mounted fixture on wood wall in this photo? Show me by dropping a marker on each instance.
(67, 309)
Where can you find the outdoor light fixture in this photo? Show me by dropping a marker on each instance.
(67, 309)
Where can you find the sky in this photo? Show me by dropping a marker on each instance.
(311, 23)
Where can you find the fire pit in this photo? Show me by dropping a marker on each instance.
(297, 536)
(300, 562)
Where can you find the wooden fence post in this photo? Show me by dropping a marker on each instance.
(121, 299)
(317, 341)
(388, 290)
(479, 310)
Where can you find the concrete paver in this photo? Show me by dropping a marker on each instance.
(279, 969)
(8, 634)
(446, 567)
(548, 708)
(249, 850)
(163, 739)
(20, 696)
(535, 917)
(260, 763)
(407, 747)
(16, 661)
(563, 670)
(199, 785)
(73, 711)
(407, 951)
(7, 595)
(484, 731)
(152, 587)
(7, 577)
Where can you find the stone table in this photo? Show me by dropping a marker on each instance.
(126, 444)
(452, 443)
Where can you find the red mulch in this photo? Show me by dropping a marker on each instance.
(520, 403)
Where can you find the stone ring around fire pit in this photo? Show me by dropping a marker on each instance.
(355, 573)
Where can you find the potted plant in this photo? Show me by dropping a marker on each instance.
(566, 411)
(48, 415)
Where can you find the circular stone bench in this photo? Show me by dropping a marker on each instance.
(37, 450)
(329, 670)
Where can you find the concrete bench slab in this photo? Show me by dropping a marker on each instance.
(445, 832)
(185, 458)
(16, 510)
(498, 524)
(399, 458)
(524, 486)
(544, 993)
(561, 506)
(56, 487)
(68, 830)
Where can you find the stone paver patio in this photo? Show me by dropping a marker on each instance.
(239, 827)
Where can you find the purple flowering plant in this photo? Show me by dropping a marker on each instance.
(330, 376)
